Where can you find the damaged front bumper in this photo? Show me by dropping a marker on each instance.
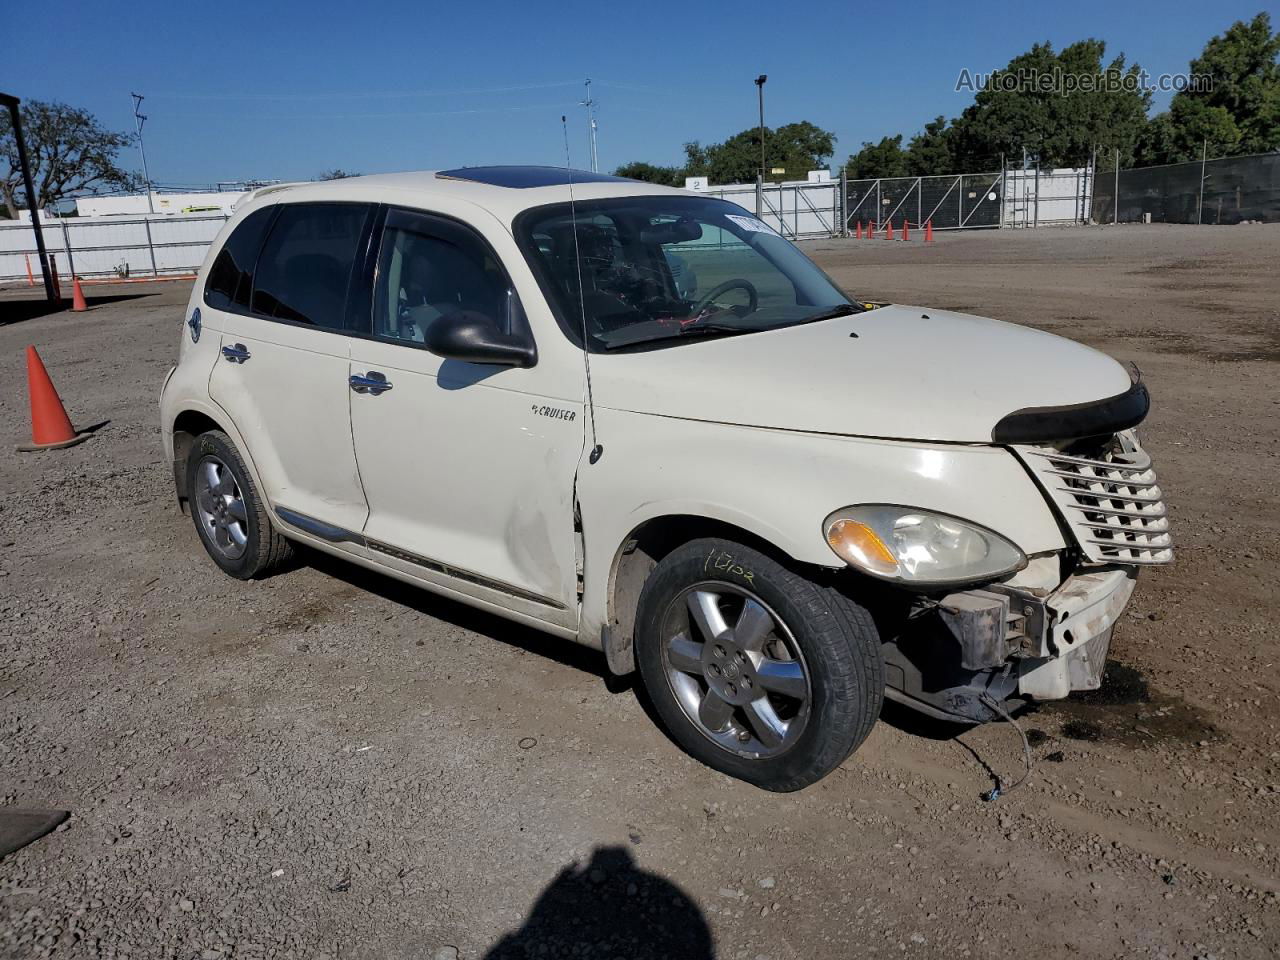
(1076, 633)
(1007, 643)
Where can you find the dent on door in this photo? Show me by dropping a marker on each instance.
(465, 476)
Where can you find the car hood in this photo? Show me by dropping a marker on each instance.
(896, 372)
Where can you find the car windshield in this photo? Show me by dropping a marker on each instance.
(658, 269)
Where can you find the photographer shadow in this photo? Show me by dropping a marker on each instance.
(610, 908)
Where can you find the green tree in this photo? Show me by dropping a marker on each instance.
(795, 148)
(337, 173)
(930, 152)
(70, 153)
(874, 160)
(1238, 112)
(651, 173)
(1059, 106)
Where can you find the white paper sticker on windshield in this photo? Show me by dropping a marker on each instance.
(750, 223)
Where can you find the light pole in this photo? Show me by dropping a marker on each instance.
(591, 124)
(139, 120)
(760, 82)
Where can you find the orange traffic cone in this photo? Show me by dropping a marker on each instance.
(857, 231)
(888, 230)
(50, 426)
(928, 231)
(906, 232)
(77, 297)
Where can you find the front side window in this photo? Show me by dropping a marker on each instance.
(641, 270)
(428, 269)
(306, 265)
(231, 276)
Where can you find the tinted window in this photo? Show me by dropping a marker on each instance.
(231, 276)
(428, 269)
(306, 264)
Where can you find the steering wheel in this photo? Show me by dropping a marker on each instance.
(753, 298)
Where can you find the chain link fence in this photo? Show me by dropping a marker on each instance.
(950, 202)
(1227, 190)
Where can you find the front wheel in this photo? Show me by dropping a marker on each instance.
(756, 670)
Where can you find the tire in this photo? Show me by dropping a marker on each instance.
(230, 516)
(778, 704)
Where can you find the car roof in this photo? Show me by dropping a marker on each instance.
(504, 191)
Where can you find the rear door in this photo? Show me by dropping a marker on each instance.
(283, 374)
(468, 468)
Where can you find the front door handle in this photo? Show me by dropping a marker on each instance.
(372, 383)
(236, 353)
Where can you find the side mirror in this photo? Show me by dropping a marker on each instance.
(475, 338)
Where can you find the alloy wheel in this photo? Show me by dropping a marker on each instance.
(735, 669)
(221, 507)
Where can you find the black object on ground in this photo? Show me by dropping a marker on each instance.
(19, 827)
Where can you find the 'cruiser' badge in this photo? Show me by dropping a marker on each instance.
(194, 324)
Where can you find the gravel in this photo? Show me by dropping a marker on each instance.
(327, 764)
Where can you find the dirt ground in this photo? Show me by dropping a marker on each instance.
(327, 764)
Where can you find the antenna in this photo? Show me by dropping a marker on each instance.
(591, 125)
(596, 449)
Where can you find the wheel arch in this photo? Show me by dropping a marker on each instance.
(188, 423)
(640, 551)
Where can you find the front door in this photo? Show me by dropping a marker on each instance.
(285, 366)
(468, 468)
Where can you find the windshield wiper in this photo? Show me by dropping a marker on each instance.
(688, 330)
(843, 310)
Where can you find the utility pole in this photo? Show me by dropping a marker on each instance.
(139, 120)
(33, 203)
(1115, 200)
(760, 82)
(1204, 156)
(591, 124)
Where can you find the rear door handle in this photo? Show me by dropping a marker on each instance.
(372, 383)
(236, 353)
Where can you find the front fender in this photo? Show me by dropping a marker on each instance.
(780, 485)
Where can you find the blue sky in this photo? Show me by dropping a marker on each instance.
(286, 90)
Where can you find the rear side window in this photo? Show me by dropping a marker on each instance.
(306, 265)
(231, 276)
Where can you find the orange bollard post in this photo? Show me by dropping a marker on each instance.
(50, 426)
(906, 232)
(31, 280)
(928, 231)
(77, 297)
(57, 284)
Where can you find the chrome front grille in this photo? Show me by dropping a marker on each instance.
(1113, 506)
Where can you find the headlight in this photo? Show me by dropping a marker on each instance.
(918, 547)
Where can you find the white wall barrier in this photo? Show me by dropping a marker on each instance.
(110, 246)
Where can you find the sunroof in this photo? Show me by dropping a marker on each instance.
(528, 176)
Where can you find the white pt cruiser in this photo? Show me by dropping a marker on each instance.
(640, 419)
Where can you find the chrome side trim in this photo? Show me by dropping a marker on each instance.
(326, 531)
(318, 528)
(436, 566)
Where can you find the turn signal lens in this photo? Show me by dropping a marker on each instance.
(857, 543)
(918, 546)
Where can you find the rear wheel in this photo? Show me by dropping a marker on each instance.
(229, 515)
(756, 670)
